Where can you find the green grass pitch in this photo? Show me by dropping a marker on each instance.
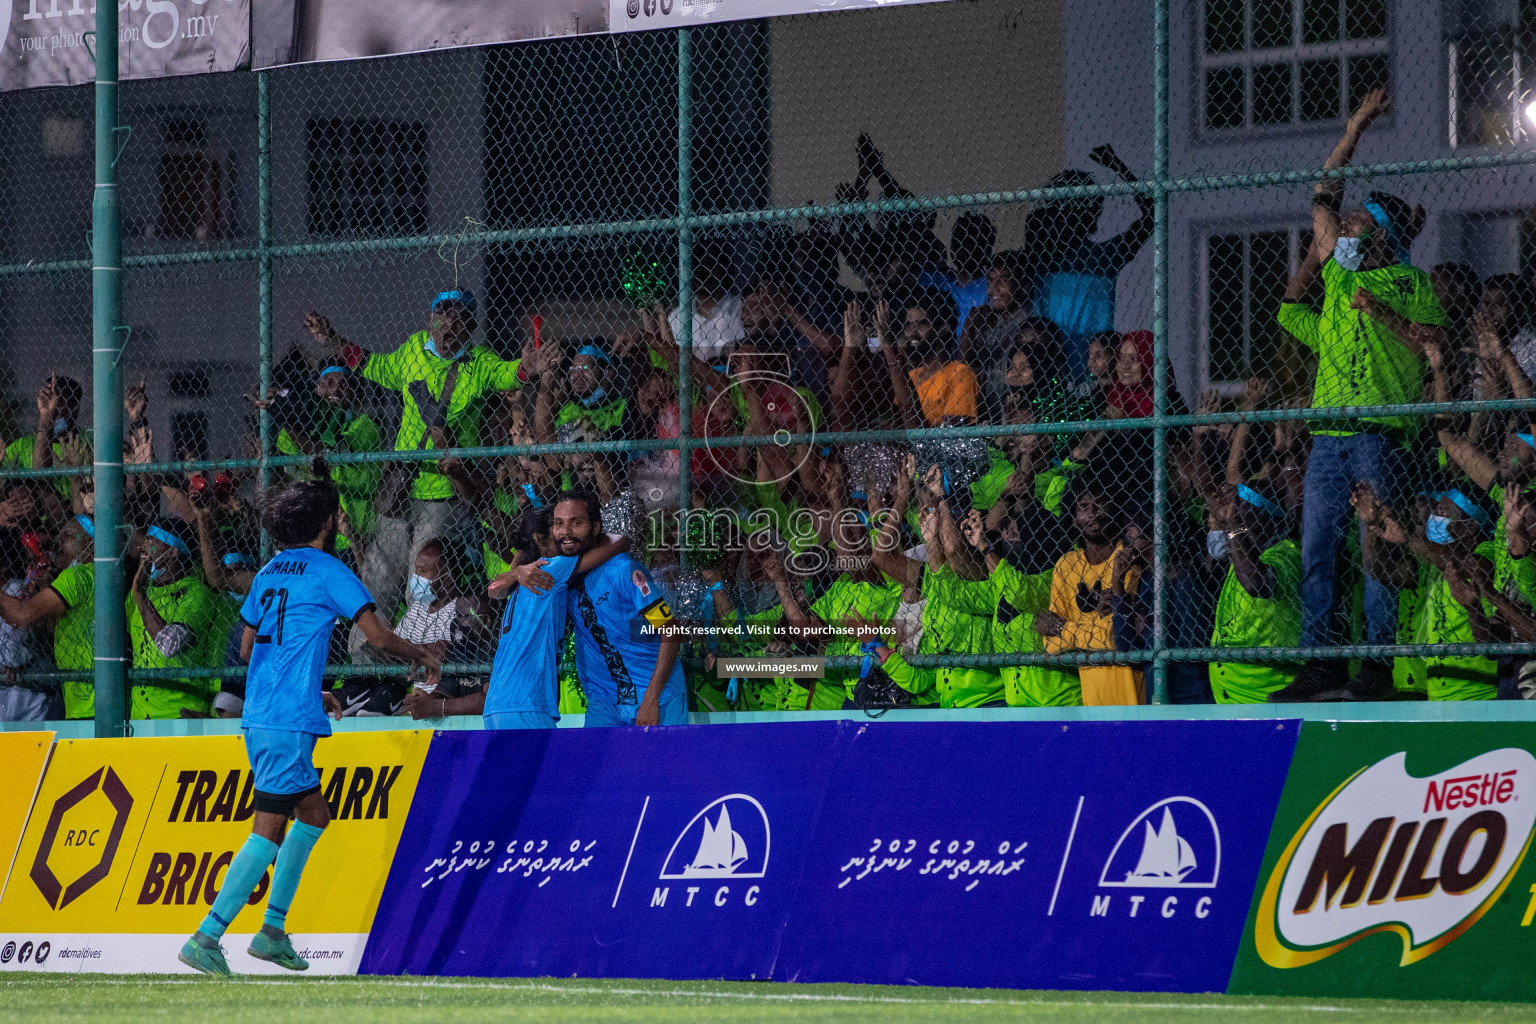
(129, 1000)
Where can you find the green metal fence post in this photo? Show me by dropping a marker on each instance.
(1159, 348)
(107, 340)
(264, 278)
(684, 288)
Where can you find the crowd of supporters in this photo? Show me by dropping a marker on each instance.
(1306, 532)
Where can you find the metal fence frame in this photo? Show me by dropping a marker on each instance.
(110, 336)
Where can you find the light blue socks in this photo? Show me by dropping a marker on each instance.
(291, 859)
(239, 882)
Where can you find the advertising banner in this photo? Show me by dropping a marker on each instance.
(48, 42)
(1089, 855)
(639, 15)
(1115, 855)
(128, 842)
(24, 755)
(296, 31)
(293, 31)
(604, 852)
(1398, 866)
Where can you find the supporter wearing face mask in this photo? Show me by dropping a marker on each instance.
(1260, 601)
(69, 603)
(171, 614)
(1378, 315)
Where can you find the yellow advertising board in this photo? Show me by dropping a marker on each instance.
(24, 755)
(129, 840)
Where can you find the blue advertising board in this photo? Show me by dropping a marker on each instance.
(1017, 854)
(1107, 855)
(603, 852)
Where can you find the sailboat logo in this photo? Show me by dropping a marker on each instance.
(727, 839)
(1174, 844)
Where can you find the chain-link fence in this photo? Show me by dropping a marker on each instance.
(1037, 356)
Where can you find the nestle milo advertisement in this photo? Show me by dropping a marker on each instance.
(1398, 866)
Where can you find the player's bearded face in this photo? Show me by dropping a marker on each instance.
(572, 528)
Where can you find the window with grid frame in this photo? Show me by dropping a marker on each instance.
(1274, 64)
(367, 176)
(1245, 271)
(1489, 65)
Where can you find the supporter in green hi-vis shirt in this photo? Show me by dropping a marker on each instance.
(1260, 601)
(1508, 482)
(596, 406)
(1012, 597)
(69, 603)
(343, 430)
(1446, 620)
(955, 619)
(946, 628)
(419, 371)
(1026, 539)
(1379, 313)
(1458, 604)
(866, 595)
(170, 615)
(58, 431)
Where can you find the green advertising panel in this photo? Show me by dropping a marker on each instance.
(1398, 866)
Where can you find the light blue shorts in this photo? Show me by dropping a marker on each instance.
(674, 711)
(282, 761)
(519, 720)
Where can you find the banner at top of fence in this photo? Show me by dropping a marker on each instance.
(307, 30)
(44, 42)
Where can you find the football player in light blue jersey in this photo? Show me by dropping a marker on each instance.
(611, 607)
(524, 691)
(289, 614)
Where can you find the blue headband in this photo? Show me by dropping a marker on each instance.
(1528, 439)
(86, 525)
(595, 353)
(463, 298)
(238, 558)
(1384, 221)
(334, 368)
(169, 539)
(1259, 502)
(1466, 504)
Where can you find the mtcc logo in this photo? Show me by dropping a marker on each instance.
(730, 838)
(1174, 844)
(81, 838)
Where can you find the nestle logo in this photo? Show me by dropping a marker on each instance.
(1470, 791)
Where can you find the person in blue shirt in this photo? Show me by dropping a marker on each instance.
(1074, 275)
(971, 243)
(612, 608)
(289, 614)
